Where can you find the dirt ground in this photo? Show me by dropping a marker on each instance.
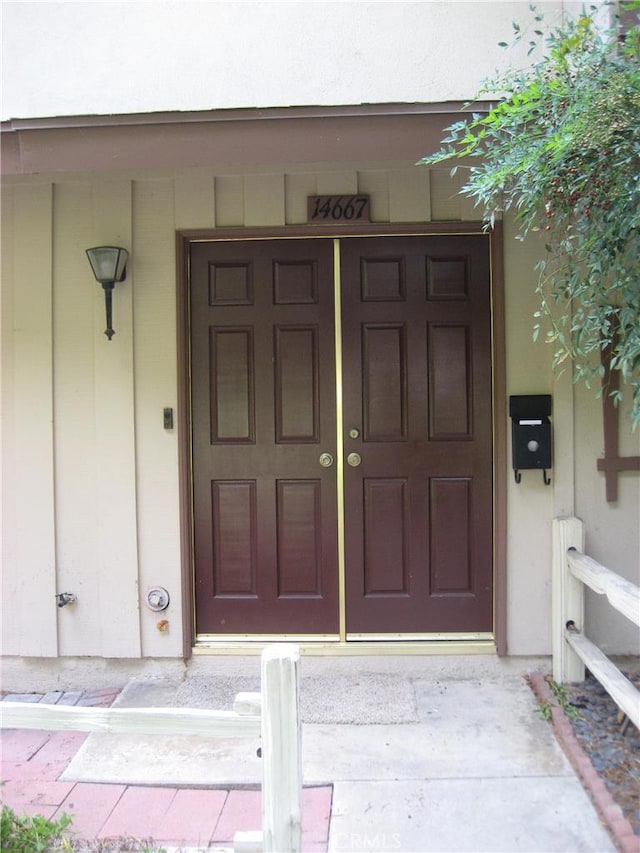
(610, 740)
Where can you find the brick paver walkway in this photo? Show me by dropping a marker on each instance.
(32, 762)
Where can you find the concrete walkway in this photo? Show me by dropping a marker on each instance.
(416, 761)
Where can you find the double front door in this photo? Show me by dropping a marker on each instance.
(341, 436)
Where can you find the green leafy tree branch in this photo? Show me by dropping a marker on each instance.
(560, 148)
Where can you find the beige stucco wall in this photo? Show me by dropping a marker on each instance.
(90, 479)
(75, 57)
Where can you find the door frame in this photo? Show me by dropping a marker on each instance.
(184, 239)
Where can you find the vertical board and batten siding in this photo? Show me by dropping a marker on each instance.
(155, 206)
(612, 529)
(264, 200)
(77, 459)
(116, 499)
(91, 475)
(97, 548)
(447, 202)
(229, 201)
(376, 186)
(194, 202)
(410, 196)
(297, 188)
(28, 576)
(338, 182)
(530, 504)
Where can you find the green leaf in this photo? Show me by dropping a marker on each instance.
(561, 150)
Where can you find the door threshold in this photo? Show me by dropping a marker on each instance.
(384, 644)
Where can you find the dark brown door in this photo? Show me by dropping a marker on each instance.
(264, 413)
(417, 434)
(416, 431)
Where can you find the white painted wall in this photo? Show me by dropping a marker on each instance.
(80, 58)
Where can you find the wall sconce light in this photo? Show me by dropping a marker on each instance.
(109, 265)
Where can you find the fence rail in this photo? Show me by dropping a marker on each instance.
(156, 721)
(272, 714)
(572, 650)
(621, 593)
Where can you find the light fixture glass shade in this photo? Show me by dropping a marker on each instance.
(108, 263)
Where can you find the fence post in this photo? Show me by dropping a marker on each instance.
(567, 599)
(281, 753)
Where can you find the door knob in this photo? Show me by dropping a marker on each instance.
(354, 459)
(326, 460)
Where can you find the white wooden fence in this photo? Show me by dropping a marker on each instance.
(272, 714)
(572, 650)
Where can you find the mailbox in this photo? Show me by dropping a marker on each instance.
(531, 433)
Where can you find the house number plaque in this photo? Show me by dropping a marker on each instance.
(329, 209)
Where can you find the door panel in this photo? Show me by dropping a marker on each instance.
(231, 386)
(450, 553)
(450, 382)
(296, 384)
(386, 570)
(417, 389)
(384, 382)
(234, 513)
(264, 403)
(299, 538)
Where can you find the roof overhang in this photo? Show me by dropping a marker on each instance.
(179, 140)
